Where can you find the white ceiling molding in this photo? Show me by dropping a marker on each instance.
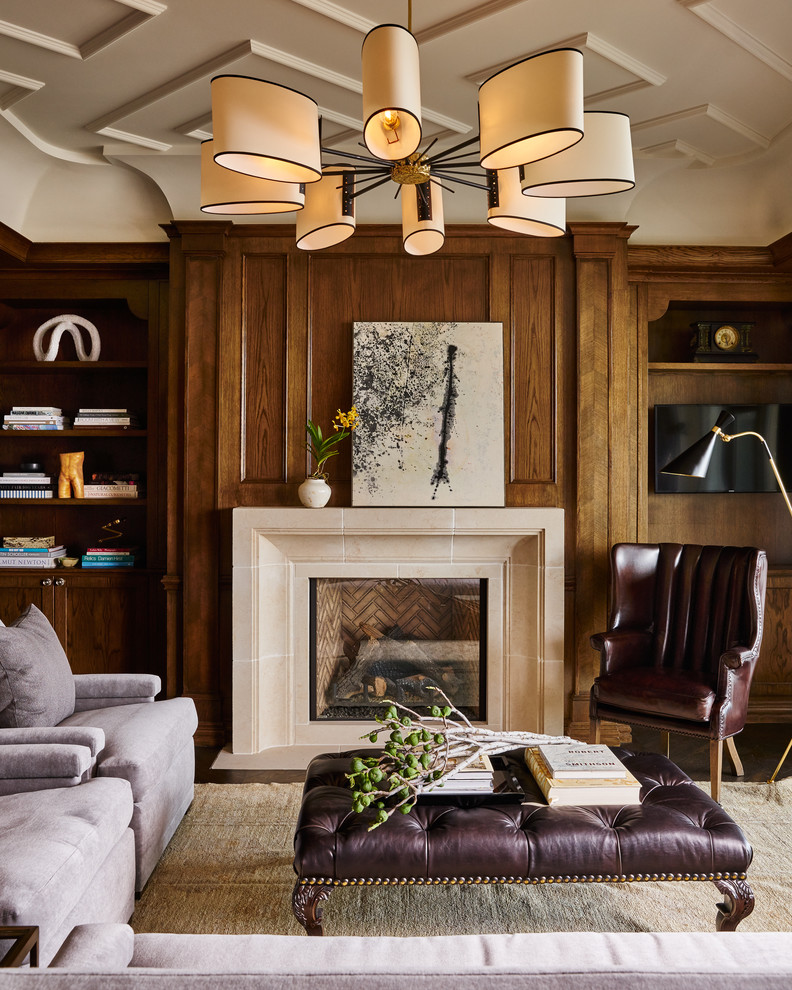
(706, 110)
(676, 149)
(346, 17)
(462, 20)
(106, 125)
(53, 150)
(739, 35)
(142, 12)
(21, 86)
(588, 42)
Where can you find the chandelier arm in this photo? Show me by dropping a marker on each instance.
(351, 154)
(429, 147)
(463, 182)
(373, 185)
(453, 163)
(450, 151)
(437, 182)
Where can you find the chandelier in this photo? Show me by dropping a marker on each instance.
(536, 147)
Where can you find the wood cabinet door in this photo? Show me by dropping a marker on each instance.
(18, 590)
(104, 622)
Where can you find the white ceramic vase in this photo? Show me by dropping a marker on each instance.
(314, 493)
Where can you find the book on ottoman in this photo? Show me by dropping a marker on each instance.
(582, 790)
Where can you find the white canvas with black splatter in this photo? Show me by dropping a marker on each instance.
(430, 399)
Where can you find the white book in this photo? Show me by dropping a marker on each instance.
(36, 410)
(572, 761)
(26, 562)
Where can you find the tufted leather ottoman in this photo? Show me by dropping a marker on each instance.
(677, 833)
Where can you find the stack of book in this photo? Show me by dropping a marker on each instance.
(26, 484)
(30, 551)
(105, 419)
(581, 774)
(476, 778)
(106, 485)
(35, 418)
(109, 557)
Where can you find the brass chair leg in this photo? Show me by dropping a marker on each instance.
(781, 762)
(594, 732)
(716, 768)
(734, 759)
(665, 743)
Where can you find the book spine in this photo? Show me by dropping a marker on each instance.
(95, 489)
(27, 426)
(26, 493)
(110, 494)
(124, 550)
(103, 421)
(107, 563)
(27, 562)
(95, 558)
(36, 411)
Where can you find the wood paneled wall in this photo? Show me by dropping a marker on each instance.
(277, 324)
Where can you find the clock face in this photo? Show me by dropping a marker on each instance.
(726, 338)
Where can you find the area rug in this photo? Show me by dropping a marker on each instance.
(228, 868)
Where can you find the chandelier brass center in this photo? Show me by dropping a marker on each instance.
(411, 172)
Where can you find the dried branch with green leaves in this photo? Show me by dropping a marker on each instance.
(423, 750)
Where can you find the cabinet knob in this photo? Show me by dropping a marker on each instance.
(60, 581)
(46, 582)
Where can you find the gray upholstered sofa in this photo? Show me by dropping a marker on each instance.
(111, 957)
(94, 779)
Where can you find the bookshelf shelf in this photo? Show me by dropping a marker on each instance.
(59, 367)
(75, 503)
(56, 434)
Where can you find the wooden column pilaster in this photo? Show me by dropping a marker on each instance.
(606, 502)
(198, 250)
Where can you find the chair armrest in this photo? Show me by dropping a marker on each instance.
(40, 766)
(77, 735)
(108, 690)
(619, 648)
(737, 657)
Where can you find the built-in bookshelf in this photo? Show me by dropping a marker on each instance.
(104, 617)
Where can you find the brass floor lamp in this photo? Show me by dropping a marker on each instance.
(694, 463)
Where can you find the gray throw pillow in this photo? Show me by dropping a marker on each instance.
(36, 682)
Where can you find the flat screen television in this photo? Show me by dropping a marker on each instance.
(739, 466)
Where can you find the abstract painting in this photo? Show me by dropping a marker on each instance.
(430, 399)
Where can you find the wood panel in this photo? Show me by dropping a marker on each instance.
(534, 423)
(264, 369)
(771, 689)
(386, 288)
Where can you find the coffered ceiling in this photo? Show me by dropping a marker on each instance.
(104, 103)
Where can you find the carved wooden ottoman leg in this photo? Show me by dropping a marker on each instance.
(739, 904)
(307, 905)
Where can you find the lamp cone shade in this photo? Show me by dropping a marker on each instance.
(261, 128)
(423, 231)
(532, 109)
(391, 92)
(508, 208)
(695, 461)
(600, 164)
(232, 193)
(329, 215)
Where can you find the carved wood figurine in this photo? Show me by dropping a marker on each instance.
(70, 478)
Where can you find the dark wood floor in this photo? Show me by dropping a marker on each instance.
(760, 747)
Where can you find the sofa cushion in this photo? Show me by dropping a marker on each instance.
(51, 845)
(36, 682)
(141, 740)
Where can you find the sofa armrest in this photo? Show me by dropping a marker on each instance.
(76, 735)
(96, 948)
(108, 690)
(41, 766)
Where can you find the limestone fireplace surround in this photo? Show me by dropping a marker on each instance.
(276, 551)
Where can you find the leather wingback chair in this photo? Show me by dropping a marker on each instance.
(682, 641)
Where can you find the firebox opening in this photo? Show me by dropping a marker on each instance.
(373, 639)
